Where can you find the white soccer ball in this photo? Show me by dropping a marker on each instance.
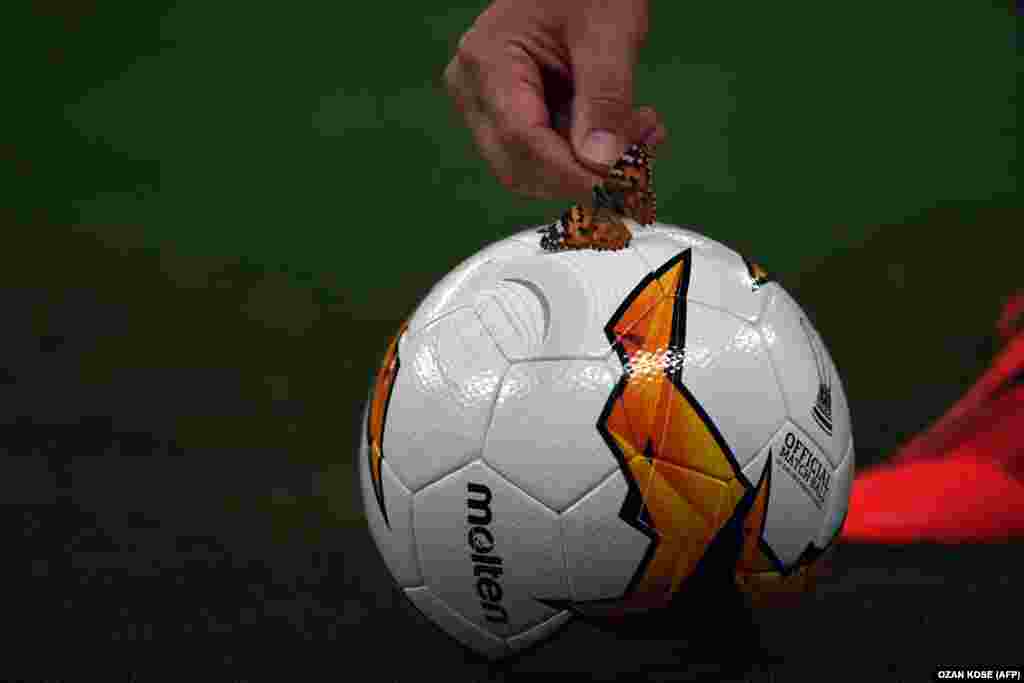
(569, 434)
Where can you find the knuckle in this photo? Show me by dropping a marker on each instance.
(466, 52)
(509, 138)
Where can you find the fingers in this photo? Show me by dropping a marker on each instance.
(549, 101)
(503, 104)
(645, 125)
(603, 51)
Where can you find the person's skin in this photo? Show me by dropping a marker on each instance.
(546, 88)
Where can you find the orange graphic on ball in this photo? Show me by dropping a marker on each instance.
(686, 491)
(383, 388)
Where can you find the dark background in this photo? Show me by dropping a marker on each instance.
(200, 263)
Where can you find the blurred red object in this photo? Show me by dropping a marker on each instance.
(962, 480)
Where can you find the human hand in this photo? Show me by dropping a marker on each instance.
(546, 88)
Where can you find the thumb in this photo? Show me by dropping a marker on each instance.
(603, 99)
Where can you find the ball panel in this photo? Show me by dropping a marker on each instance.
(756, 475)
(799, 485)
(539, 633)
(517, 315)
(687, 508)
(530, 238)
(458, 287)
(394, 538)
(728, 371)
(721, 278)
(810, 383)
(772, 589)
(455, 625)
(488, 550)
(839, 498)
(757, 573)
(575, 329)
(543, 436)
(445, 390)
(602, 551)
(608, 277)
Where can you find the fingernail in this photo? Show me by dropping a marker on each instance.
(601, 147)
(650, 136)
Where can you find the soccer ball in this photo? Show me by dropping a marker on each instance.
(578, 434)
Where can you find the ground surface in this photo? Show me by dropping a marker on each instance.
(133, 599)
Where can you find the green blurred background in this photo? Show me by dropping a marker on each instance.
(218, 212)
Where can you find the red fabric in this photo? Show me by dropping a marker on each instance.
(1012, 320)
(963, 479)
(961, 499)
(978, 410)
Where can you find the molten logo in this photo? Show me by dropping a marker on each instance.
(486, 564)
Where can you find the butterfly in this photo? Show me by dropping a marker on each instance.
(627, 192)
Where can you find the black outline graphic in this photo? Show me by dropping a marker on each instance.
(378, 481)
